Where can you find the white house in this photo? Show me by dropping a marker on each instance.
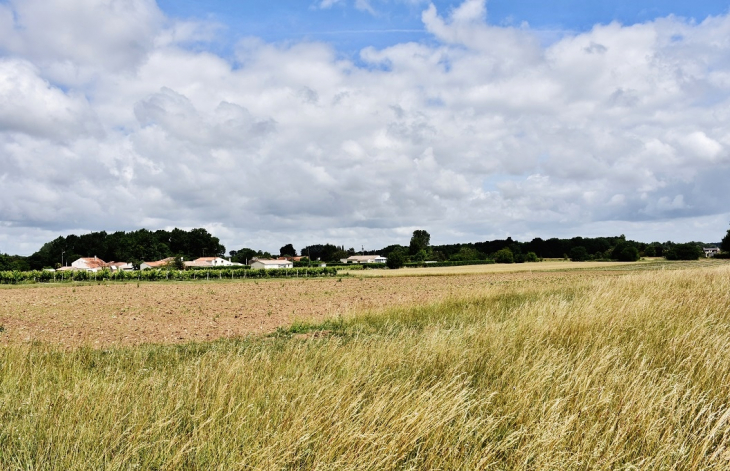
(272, 264)
(120, 266)
(711, 251)
(89, 264)
(209, 262)
(364, 259)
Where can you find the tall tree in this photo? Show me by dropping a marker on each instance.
(140, 245)
(419, 241)
(288, 251)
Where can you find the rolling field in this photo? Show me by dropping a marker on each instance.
(579, 369)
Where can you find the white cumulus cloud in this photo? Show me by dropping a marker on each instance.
(108, 121)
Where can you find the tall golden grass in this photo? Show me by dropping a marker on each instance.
(628, 372)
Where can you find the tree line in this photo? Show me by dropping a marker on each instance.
(506, 250)
(512, 251)
(145, 245)
(132, 247)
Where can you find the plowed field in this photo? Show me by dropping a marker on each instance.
(101, 315)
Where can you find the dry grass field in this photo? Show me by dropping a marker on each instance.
(579, 369)
(501, 268)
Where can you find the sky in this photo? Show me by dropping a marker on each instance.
(355, 122)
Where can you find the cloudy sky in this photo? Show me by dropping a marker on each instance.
(357, 121)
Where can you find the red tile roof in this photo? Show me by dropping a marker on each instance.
(92, 262)
(160, 263)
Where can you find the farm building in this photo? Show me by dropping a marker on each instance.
(364, 259)
(158, 264)
(209, 262)
(272, 264)
(92, 264)
(711, 251)
(119, 266)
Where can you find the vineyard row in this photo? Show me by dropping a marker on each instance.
(44, 276)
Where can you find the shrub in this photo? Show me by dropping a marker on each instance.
(504, 256)
(395, 260)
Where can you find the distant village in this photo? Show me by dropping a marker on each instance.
(182, 250)
(95, 264)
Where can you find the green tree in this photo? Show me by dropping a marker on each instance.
(332, 253)
(579, 254)
(688, 251)
(177, 263)
(625, 252)
(288, 251)
(396, 260)
(504, 256)
(419, 241)
(421, 256)
(725, 244)
(245, 255)
(466, 253)
(531, 257)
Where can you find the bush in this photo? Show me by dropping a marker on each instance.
(504, 256)
(395, 260)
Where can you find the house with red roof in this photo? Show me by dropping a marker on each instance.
(89, 264)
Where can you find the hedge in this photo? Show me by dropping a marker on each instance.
(44, 276)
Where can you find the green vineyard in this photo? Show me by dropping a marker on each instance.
(47, 276)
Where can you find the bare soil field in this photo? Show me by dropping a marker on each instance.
(107, 314)
(103, 315)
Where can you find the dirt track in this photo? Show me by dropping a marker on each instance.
(101, 315)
